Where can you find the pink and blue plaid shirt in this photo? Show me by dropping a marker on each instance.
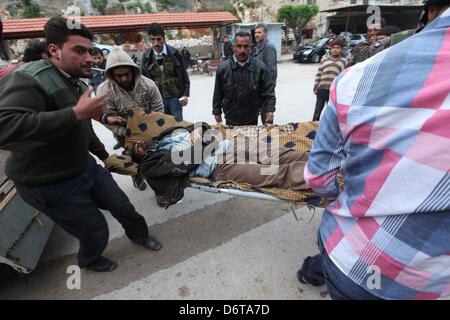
(387, 129)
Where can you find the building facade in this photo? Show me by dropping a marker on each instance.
(352, 15)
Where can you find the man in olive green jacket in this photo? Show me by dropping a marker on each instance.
(45, 121)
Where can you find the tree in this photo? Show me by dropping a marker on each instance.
(167, 4)
(297, 17)
(206, 6)
(138, 7)
(30, 10)
(253, 6)
(99, 5)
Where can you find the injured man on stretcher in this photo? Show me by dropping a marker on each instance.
(169, 153)
(241, 160)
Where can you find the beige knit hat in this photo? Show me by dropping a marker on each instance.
(119, 58)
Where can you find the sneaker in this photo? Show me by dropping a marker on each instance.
(102, 264)
(139, 182)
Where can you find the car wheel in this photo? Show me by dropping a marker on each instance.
(315, 58)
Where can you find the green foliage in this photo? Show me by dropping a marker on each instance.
(166, 4)
(99, 5)
(212, 8)
(30, 10)
(297, 17)
(135, 6)
(252, 4)
(147, 7)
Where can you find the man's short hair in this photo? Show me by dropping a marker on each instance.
(155, 29)
(262, 26)
(97, 51)
(243, 34)
(34, 51)
(388, 30)
(57, 31)
(382, 22)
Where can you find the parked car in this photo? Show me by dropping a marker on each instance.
(357, 39)
(312, 52)
(345, 34)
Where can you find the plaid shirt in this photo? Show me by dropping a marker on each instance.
(387, 129)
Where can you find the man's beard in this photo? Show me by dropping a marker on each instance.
(128, 86)
(77, 72)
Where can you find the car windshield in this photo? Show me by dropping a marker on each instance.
(320, 43)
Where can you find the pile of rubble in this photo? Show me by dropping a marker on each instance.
(189, 43)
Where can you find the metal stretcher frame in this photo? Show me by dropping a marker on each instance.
(253, 195)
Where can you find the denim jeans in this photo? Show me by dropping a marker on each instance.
(74, 205)
(173, 107)
(339, 286)
(322, 98)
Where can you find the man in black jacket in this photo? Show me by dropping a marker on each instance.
(165, 66)
(243, 87)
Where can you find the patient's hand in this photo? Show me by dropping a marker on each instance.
(195, 135)
(140, 148)
(116, 121)
(218, 118)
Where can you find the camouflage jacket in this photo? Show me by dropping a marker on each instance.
(360, 53)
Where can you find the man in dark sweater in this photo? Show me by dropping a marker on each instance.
(45, 121)
(267, 53)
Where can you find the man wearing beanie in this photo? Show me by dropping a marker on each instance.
(328, 71)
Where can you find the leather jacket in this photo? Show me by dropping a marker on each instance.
(241, 93)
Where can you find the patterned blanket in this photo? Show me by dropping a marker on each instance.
(297, 136)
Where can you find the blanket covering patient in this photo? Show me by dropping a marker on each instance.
(201, 151)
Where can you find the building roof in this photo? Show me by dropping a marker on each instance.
(34, 28)
(363, 8)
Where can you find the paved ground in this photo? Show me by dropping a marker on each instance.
(215, 246)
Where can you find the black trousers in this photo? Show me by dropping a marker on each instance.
(322, 98)
(74, 205)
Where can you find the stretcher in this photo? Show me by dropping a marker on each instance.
(256, 196)
(311, 201)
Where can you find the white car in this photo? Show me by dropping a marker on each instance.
(356, 39)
